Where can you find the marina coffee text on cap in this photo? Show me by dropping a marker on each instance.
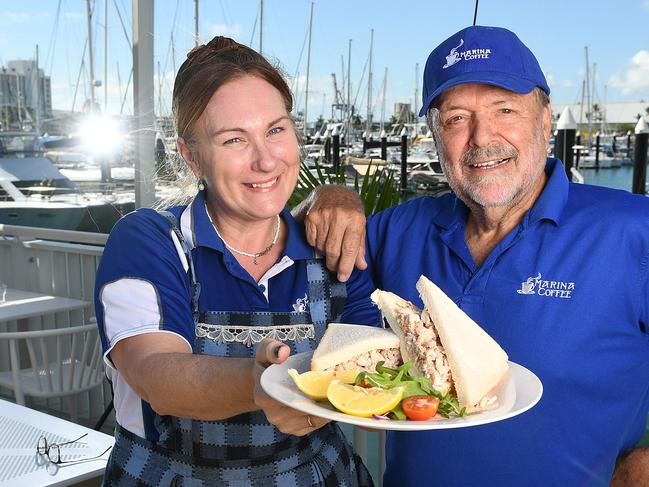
(478, 54)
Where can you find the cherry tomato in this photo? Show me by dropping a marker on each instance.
(420, 408)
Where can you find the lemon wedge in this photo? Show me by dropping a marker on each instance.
(314, 383)
(361, 401)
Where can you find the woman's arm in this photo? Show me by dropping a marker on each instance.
(162, 370)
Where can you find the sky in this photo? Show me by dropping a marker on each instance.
(404, 33)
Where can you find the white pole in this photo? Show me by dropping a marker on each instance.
(105, 56)
(385, 88)
(143, 103)
(261, 25)
(196, 34)
(36, 83)
(349, 94)
(414, 106)
(92, 71)
(589, 114)
(308, 68)
(369, 86)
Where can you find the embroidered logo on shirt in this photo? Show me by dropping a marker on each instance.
(455, 57)
(301, 304)
(550, 289)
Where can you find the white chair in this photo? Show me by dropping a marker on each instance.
(51, 363)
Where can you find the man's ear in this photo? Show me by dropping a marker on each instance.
(187, 155)
(547, 122)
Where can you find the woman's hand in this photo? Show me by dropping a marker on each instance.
(286, 419)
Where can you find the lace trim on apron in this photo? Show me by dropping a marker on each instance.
(249, 335)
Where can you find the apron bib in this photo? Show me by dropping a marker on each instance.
(244, 450)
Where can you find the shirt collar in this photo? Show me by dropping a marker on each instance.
(552, 201)
(549, 205)
(296, 245)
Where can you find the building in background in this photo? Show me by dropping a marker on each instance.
(25, 95)
(606, 118)
(403, 113)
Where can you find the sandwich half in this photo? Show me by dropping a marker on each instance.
(420, 342)
(352, 347)
(446, 344)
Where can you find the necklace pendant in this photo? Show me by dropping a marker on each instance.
(254, 260)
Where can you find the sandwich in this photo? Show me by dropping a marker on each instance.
(356, 347)
(445, 344)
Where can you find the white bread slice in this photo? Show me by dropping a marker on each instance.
(342, 342)
(477, 362)
(394, 309)
(419, 341)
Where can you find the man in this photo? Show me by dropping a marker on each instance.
(556, 273)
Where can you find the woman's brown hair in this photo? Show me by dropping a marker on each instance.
(206, 69)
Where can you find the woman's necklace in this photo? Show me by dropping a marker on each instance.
(241, 252)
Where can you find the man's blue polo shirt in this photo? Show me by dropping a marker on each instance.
(566, 295)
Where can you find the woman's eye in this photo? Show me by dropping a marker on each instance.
(275, 130)
(233, 140)
(506, 110)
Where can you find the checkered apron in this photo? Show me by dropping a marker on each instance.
(244, 450)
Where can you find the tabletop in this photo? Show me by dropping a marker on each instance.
(20, 464)
(18, 304)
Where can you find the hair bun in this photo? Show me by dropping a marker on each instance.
(218, 43)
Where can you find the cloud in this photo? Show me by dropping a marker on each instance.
(74, 16)
(549, 77)
(636, 78)
(14, 17)
(212, 29)
(567, 83)
(645, 5)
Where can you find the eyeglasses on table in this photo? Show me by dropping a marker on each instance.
(53, 451)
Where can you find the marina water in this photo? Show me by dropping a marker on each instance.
(619, 178)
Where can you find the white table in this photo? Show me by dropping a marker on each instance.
(24, 304)
(20, 465)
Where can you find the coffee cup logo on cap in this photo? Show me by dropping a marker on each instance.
(478, 54)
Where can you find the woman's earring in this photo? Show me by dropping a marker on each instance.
(201, 184)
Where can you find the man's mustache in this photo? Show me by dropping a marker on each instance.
(482, 154)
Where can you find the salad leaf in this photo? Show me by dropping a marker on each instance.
(388, 378)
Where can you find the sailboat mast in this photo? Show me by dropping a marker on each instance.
(581, 106)
(349, 94)
(196, 36)
(261, 25)
(37, 84)
(91, 68)
(385, 87)
(589, 113)
(308, 68)
(105, 56)
(414, 106)
(369, 86)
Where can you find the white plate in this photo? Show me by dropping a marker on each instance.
(519, 391)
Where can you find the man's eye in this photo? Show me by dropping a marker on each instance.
(455, 119)
(506, 110)
(233, 140)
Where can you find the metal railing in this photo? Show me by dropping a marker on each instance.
(61, 263)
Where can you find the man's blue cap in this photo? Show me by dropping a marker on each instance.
(487, 55)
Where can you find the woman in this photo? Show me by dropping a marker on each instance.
(189, 407)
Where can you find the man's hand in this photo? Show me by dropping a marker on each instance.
(334, 220)
(287, 420)
(632, 470)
